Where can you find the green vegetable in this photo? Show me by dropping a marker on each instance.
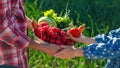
(49, 20)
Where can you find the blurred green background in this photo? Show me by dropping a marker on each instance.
(100, 16)
(101, 11)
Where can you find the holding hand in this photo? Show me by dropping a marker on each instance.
(31, 23)
(82, 38)
(48, 48)
(52, 49)
(79, 39)
(69, 52)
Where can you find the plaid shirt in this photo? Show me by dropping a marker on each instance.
(13, 33)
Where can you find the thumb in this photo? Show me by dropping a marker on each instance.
(34, 24)
(70, 35)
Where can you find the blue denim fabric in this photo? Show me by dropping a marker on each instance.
(106, 47)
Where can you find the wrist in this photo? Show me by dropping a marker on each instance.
(79, 52)
(82, 39)
(87, 40)
(35, 45)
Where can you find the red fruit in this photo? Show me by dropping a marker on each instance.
(62, 33)
(64, 39)
(52, 40)
(47, 39)
(43, 24)
(70, 42)
(59, 37)
(37, 33)
(43, 37)
(45, 28)
(58, 41)
(54, 29)
(54, 35)
(49, 33)
(41, 31)
(75, 32)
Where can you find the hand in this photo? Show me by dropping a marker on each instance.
(51, 49)
(82, 39)
(48, 48)
(41, 45)
(69, 52)
(79, 39)
(31, 23)
(34, 24)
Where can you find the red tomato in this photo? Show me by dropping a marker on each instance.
(75, 32)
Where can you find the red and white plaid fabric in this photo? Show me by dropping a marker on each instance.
(13, 33)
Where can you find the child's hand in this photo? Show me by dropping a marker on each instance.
(82, 39)
(69, 52)
(79, 39)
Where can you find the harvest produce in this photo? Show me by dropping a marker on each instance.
(62, 20)
(49, 20)
(76, 32)
(52, 34)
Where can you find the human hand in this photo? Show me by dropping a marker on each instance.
(34, 24)
(48, 48)
(31, 23)
(79, 39)
(82, 38)
(69, 52)
(51, 49)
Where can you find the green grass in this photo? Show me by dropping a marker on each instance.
(38, 59)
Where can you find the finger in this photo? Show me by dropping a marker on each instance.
(69, 34)
(43, 42)
(71, 37)
(40, 40)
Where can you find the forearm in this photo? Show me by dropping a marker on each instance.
(37, 46)
(87, 40)
(33, 45)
